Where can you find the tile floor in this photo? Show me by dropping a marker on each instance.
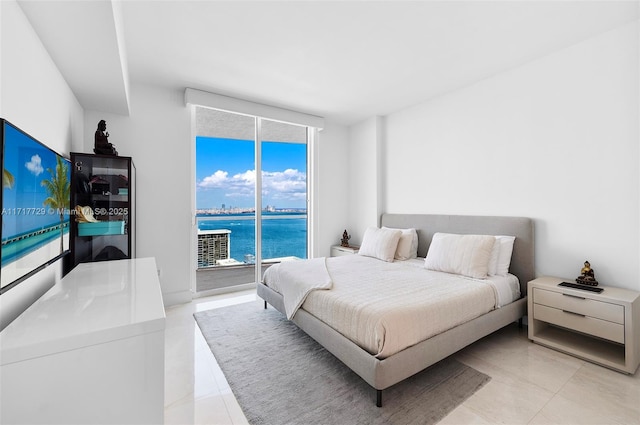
(530, 384)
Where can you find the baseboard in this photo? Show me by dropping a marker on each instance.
(175, 298)
(225, 290)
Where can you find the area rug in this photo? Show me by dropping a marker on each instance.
(280, 375)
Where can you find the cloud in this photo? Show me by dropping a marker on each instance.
(240, 193)
(246, 179)
(217, 179)
(289, 184)
(35, 165)
(289, 181)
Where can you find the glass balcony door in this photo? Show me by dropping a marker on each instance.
(282, 216)
(251, 197)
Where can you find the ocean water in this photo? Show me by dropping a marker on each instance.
(17, 249)
(283, 235)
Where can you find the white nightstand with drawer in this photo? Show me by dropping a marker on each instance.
(603, 327)
(338, 250)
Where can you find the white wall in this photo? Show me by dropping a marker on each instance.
(333, 187)
(35, 97)
(365, 173)
(555, 139)
(157, 134)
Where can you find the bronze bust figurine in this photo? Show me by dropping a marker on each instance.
(587, 275)
(102, 145)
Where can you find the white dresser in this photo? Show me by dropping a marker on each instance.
(89, 351)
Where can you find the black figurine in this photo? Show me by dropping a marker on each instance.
(102, 145)
(345, 238)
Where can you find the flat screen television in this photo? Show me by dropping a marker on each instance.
(35, 206)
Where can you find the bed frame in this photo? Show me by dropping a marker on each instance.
(383, 373)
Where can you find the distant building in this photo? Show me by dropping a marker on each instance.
(213, 246)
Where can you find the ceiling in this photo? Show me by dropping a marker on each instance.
(343, 60)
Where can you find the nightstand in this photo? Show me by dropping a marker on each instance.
(337, 250)
(603, 328)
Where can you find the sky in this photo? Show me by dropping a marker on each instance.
(29, 162)
(225, 173)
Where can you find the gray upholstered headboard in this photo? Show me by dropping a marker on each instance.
(522, 259)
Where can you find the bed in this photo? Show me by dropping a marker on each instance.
(382, 365)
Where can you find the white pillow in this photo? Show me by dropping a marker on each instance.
(380, 243)
(501, 256)
(467, 255)
(407, 245)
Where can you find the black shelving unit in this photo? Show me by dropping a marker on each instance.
(103, 186)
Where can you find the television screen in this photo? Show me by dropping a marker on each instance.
(35, 205)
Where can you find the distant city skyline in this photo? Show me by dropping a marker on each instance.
(225, 173)
(230, 210)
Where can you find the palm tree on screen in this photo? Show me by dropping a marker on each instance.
(59, 191)
(7, 179)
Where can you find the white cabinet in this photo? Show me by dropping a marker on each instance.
(603, 328)
(90, 350)
(338, 250)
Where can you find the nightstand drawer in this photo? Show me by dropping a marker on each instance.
(576, 304)
(589, 325)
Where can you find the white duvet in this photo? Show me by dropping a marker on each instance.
(387, 307)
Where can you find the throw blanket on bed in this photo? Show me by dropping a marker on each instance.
(296, 279)
(386, 307)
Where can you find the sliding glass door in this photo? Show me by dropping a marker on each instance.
(251, 197)
(283, 212)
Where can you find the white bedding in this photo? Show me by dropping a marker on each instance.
(298, 279)
(386, 307)
(507, 288)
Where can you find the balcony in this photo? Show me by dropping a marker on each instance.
(224, 278)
